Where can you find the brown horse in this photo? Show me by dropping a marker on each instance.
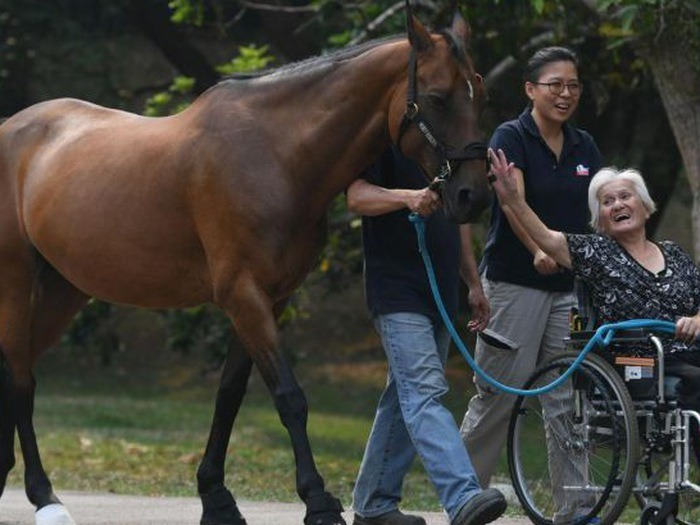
(223, 203)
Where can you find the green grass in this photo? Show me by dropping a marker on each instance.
(102, 432)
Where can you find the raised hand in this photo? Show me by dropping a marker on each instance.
(501, 176)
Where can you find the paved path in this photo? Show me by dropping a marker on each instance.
(108, 509)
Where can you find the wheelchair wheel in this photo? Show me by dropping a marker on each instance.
(588, 429)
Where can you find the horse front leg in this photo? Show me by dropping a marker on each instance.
(218, 504)
(322, 508)
(251, 311)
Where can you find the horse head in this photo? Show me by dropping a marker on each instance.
(439, 127)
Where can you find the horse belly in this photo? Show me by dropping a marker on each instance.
(127, 269)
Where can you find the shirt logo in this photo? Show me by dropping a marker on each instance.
(582, 171)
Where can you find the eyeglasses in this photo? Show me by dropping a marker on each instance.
(556, 87)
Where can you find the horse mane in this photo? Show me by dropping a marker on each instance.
(311, 64)
(323, 62)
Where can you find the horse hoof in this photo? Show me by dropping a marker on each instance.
(53, 514)
(219, 508)
(323, 509)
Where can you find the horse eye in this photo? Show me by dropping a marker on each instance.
(437, 100)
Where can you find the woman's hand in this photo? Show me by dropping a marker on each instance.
(544, 264)
(688, 328)
(502, 178)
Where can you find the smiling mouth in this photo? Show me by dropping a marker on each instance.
(620, 218)
(562, 107)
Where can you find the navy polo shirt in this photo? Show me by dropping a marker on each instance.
(557, 191)
(395, 276)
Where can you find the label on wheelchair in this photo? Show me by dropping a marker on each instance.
(638, 373)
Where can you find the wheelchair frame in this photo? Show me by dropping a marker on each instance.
(607, 445)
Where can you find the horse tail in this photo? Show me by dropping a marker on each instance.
(5, 377)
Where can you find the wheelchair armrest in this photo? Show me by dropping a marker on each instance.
(632, 335)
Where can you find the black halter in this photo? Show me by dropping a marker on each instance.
(448, 156)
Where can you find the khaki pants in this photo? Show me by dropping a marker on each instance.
(534, 324)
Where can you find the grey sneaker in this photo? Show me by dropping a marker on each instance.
(395, 517)
(483, 508)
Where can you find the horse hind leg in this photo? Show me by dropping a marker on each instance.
(7, 424)
(41, 306)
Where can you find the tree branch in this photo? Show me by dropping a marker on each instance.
(372, 26)
(509, 62)
(279, 8)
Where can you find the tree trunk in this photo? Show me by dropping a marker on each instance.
(677, 80)
(153, 20)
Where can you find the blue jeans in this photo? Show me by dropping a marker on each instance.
(411, 419)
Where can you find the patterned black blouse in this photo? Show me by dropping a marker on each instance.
(622, 289)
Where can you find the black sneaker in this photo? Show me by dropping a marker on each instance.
(483, 508)
(395, 517)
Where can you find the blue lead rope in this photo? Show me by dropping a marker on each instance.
(601, 337)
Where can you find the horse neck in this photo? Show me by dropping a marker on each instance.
(330, 122)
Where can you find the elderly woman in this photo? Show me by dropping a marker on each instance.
(628, 275)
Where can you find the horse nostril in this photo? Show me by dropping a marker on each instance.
(464, 197)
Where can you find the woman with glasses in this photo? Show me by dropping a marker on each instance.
(529, 294)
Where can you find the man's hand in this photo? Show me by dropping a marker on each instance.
(480, 309)
(424, 202)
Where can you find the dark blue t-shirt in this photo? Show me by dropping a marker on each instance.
(395, 276)
(556, 191)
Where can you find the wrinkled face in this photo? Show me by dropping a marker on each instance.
(449, 98)
(621, 209)
(556, 94)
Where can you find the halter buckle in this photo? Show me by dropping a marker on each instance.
(412, 110)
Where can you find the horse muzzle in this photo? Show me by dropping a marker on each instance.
(464, 203)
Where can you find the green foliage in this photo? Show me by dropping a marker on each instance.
(178, 96)
(538, 5)
(340, 39)
(180, 93)
(92, 331)
(342, 255)
(250, 58)
(187, 11)
(643, 23)
(200, 330)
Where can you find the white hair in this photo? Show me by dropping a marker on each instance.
(607, 175)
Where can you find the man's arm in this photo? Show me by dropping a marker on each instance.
(468, 269)
(365, 198)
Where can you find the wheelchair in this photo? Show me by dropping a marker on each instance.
(611, 444)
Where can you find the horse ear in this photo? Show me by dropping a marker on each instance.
(418, 36)
(460, 27)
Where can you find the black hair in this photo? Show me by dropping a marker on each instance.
(545, 56)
